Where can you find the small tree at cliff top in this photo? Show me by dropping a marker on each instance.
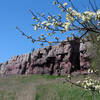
(80, 24)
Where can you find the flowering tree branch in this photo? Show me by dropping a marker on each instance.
(84, 24)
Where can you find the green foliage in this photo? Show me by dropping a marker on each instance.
(95, 51)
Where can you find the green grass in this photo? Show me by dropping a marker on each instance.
(11, 87)
(37, 87)
(60, 91)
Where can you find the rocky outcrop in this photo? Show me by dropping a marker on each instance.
(60, 59)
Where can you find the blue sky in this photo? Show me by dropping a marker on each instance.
(15, 13)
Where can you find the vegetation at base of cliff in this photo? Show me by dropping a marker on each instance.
(38, 87)
(94, 49)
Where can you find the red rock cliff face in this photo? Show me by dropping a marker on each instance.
(60, 59)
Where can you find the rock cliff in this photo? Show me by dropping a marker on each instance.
(61, 59)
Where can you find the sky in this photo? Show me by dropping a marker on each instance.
(16, 13)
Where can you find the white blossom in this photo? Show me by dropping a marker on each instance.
(48, 24)
(44, 22)
(98, 14)
(66, 25)
(65, 4)
(35, 27)
(69, 18)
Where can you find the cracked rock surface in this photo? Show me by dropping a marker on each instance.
(61, 59)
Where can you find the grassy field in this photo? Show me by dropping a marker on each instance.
(37, 87)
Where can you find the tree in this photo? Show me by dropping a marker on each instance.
(83, 25)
